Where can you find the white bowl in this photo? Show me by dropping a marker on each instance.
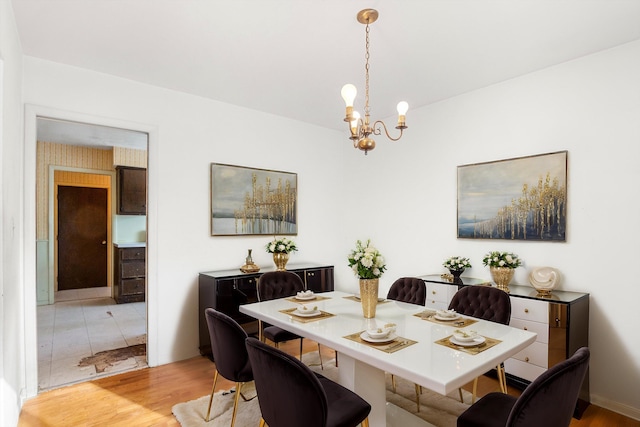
(463, 336)
(379, 332)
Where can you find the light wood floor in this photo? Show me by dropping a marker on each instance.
(145, 397)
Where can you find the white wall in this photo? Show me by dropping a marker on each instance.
(12, 352)
(590, 107)
(192, 132)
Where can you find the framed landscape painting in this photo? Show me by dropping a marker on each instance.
(523, 198)
(249, 201)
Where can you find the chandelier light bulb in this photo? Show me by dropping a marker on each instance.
(353, 124)
(349, 93)
(403, 107)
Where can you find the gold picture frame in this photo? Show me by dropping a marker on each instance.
(523, 198)
(252, 201)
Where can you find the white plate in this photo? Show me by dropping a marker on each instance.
(365, 337)
(446, 319)
(307, 313)
(476, 341)
(305, 298)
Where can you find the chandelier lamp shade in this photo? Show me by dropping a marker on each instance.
(361, 129)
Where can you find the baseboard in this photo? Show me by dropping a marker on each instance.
(620, 408)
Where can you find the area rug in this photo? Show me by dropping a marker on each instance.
(441, 411)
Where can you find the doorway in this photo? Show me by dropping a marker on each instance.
(79, 328)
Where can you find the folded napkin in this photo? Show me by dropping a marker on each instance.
(305, 294)
(307, 308)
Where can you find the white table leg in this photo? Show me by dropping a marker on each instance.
(368, 382)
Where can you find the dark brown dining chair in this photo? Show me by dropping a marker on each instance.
(549, 400)
(411, 290)
(487, 303)
(408, 289)
(229, 355)
(274, 285)
(292, 395)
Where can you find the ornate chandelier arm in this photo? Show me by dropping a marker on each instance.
(377, 131)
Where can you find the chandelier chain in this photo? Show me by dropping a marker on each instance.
(366, 69)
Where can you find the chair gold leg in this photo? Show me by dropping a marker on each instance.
(417, 397)
(235, 402)
(262, 422)
(336, 358)
(320, 355)
(213, 389)
(365, 422)
(502, 379)
(301, 348)
(475, 389)
(460, 393)
(393, 383)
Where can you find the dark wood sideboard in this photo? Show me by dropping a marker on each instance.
(561, 321)
(226, 290)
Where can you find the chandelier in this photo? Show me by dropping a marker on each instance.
(361, 129)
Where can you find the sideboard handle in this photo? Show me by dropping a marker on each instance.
(526, 310)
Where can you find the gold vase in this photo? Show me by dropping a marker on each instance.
(369, 297)
(502, 277)
(280, 260)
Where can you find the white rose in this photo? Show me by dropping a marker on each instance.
(272, 247)
(501, 263)
(367, 262)
(376, 272)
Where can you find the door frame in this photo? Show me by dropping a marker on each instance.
(31, 114)
(53, 220)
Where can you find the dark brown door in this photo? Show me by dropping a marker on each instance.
(82, 237)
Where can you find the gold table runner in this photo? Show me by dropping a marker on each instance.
(398, 343)
(460, 322)
(353, 298)
(307, 301)
(304, 319)
(488, 343)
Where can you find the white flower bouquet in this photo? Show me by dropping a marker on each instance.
(501, 259)
(281, 246)
(366, 261)
(457, 263)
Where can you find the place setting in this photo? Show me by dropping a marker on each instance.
(306, 296)
(307, 313)
(445, 317)
(356, 297)
(382, 338)
(468, 341)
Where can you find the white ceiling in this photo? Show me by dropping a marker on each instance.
(100, 137)
(291, 57)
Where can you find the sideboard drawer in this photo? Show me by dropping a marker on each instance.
(541, 329)
(527, 371)
(133, 287)
(132, 253)
(528, 309)
(132, 269)
(536, 354)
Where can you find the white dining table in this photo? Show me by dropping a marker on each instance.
(362, 367)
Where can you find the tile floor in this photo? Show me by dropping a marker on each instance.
(81, 323)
